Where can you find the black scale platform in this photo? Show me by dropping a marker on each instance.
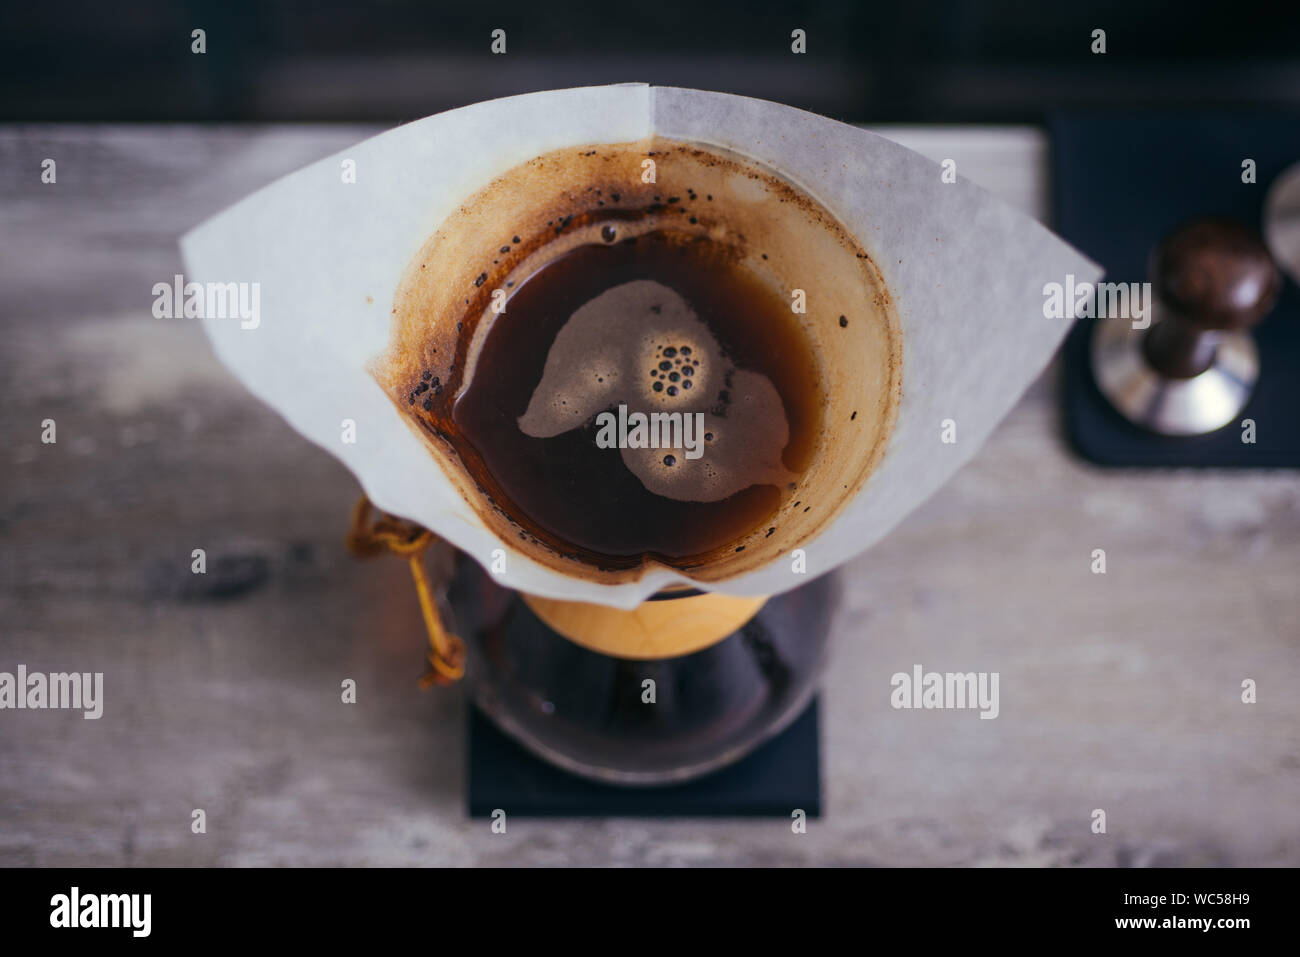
(781, 775)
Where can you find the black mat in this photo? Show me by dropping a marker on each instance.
(1124, 180)
(782, 775)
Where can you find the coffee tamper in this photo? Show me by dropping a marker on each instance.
(1193, 370)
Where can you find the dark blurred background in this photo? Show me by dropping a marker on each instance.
(396, 60)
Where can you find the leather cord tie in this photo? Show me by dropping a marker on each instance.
(372, 533)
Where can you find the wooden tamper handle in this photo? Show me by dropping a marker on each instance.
(1208, 277)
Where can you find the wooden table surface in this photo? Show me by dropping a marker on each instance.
(1118, 691)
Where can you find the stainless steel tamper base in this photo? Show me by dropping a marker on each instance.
(1192, 406)
(1282, 221)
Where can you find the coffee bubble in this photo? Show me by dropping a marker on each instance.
(637, 325)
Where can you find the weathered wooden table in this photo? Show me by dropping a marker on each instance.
(1118, 691)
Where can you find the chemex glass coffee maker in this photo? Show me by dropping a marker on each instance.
(654, 362)
(714, 676)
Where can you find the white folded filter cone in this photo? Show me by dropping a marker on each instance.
(966, 273)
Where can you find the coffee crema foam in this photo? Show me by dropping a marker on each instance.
(600, 360)
(607, 284)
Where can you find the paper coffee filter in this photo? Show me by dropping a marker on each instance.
(966, 273)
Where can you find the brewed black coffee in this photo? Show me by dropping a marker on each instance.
(667, 329)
